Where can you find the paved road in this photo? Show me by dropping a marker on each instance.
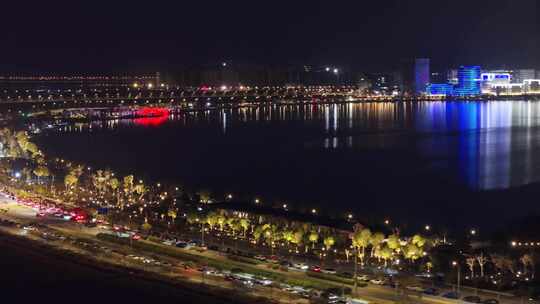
(371, 292)
(31, 276)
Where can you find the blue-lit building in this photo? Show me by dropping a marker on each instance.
(441, 89)
(469, 81)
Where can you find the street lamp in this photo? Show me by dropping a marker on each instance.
(428, 228)
(257, 201)
(285, 206)
(456, 264)
(387, 222)
(350, 216)
(229, 196)
(314, 211)
(473, 231)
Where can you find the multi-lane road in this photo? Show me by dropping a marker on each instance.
(373, 293)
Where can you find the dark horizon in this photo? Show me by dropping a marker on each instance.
(102, 37)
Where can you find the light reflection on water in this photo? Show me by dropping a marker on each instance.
(489, 144)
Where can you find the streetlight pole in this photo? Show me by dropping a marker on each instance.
(456, 264)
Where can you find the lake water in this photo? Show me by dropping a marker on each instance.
(374, 159)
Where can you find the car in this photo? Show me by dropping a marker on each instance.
(377, 282)
(490, 301)
(329, 271)
(315, 268)
(363, 278)
(168, 242)
(301, 266)
(285, 263)
(181, 244)
(260, 257)
(451, 295)
(415, 288)
(431, 291)
(472, 299)
(263, 281)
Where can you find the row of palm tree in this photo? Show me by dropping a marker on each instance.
(302, 237)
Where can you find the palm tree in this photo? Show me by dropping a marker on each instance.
(361, 240)
(482, 260)
(298, 237)
(329, 241)
(394, 243)
(41, 171)
(244, 223)
(313, 238)
(470, 262)
(528, 262)
(375, 241)
(386, 254)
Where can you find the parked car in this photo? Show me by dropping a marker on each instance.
(316, 268)
(363, 278)
(415, 288)
(301, 266)
(260, 257)
(377, 282)
(431, 291)
(472, 299)
(451, 295)
(329, 271)
(181, 244)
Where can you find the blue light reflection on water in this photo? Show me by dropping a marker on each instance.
(496, 142)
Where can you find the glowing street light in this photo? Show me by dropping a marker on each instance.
(229, 196)
(257, 201)
(285, 206)
(336, 71)
(314, 211)
(387, 222)
(350, 216)
(473, 231)
(327, 69)
(428, 228)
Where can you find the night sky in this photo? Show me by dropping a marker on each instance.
(113, 36)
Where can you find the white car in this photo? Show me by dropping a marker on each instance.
(301, 266)
(377, 282)
(415, 288)
(363, 278)
(168, 242)
(329, 271)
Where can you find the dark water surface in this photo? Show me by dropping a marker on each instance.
(443, 163)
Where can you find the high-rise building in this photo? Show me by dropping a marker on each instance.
(523, 74)
(421, 75)
(453, 76)
(468, 81)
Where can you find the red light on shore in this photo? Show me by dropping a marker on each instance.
(149, 116)
(152, 112)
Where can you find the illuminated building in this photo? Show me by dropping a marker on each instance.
(421, 75)
(453, 76)
(440, 89)
(468, 81)
(523, 74)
